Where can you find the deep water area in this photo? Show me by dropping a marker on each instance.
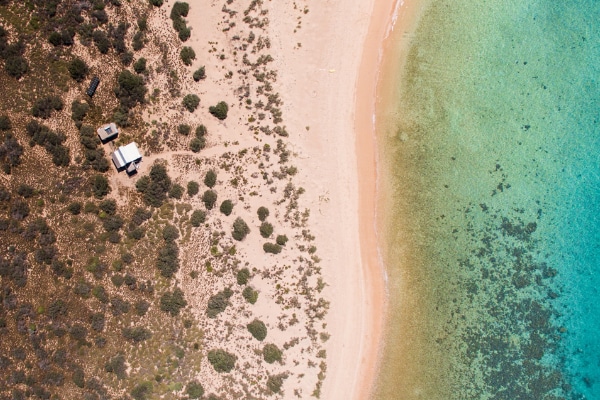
(493, 151)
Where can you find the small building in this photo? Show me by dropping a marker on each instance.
(107, 132)
(127, 158)
(93, 86)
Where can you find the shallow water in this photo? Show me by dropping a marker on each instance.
(493, 248)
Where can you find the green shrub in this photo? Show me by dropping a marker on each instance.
(198, 217)
(156, 3)
(176, 191)
(266, 229)
(184, 129)
(250, 294)
(210, 179)
(117, 366)
(137, 334)
(193, 188)
(6, 125)
(274, 383)
(263, 213)
(79, 377)
(43, 107)
(242, 276)
(100, 186)
(143, 390)
(173, 302)
(25, 191)
(271, 353)
(141, 307)
(109, 206)
(140, 65)
(221, 360)
(272, 248)
(218, 303)
(74, 208)
(220, 110)
(16, 66)
(199, 74)
(101, 41)
(79, 111)
(131, 90)
(209, 198)
(240, 229)
(168, 259)
(197, 144)
(191, 102)
(226, 207)
(78, 69)
(201, 131)
(258, 329)
(170, 233)
(187, 55)
(155, 185)
(194, 390)
(281, 240)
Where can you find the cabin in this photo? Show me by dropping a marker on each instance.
(127, 158)
(93, 86)
(107, 132)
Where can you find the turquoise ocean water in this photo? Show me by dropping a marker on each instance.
(493, 147)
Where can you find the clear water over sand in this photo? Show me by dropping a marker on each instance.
(492, 151)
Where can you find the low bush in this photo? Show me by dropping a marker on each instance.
(176, 191)
(137, 334)
(275, 382)
(271, 353)
(173, 302)
(100, 186)
(218, 303)
(78, 69)
(16, 66)
(226, 207)
(141, 307)
(250, 294)
(187, 55)
(44, 107)
(266, 229)
(209, 198)
(258, 329)
(184, 129)
(197, 144)
(220, 110)
(191, 102)
(140, 65)
(170, 233)
(156, 3)
(199, 74)
(198, 217)
(201, 131)
(240, 229)
(194, 390)
(74, 208)
(109, 206)
(242, 276)
(210, 179)
(193, 188)
(117, 366)
(281, 240)
(168, 259)
(143, 390)
(221, 360)
(272, 248)
(263, 213)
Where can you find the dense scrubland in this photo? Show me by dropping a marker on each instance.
(117, 287)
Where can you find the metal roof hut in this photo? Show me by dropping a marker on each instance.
(93, 86)
(127, 157)
(107, 132)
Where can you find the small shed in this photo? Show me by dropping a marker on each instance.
(107, 132)
(127, 157)
(93, 86)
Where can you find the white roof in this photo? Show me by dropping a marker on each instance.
(126, 154)
(130, 153)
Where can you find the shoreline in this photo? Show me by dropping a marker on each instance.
(379, 56)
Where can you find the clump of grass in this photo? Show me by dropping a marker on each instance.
(250, 294)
